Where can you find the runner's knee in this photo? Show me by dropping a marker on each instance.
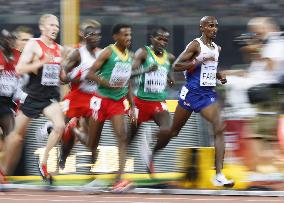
(58, 128)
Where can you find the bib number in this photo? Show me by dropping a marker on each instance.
(120, 75)
(50, 75)
(183, 93)
(208, 74)
(155, 82)
(95, 103)
(8, 84)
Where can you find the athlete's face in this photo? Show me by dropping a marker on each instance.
(210, 28)
(22, 39)
(92, 36)
(50, 27)
(124, 37)
(160, 41)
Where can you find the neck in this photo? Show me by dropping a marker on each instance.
(46, 40)
(91, 49)
(157, 52)
(120, 48)
(206, 40)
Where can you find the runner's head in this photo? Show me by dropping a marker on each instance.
(92, 34)
(86, 23)
(209, 26)
(7, 41)
(121, 34)
(22, 34)
(49, 26)
(159, 38)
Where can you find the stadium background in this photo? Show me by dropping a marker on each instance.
(180, 17)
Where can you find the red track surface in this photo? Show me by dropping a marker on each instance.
(77, 197)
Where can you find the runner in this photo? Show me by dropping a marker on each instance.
(151, 92)
(8, 83)
(41, 59)
(111, 72)
(199, 61)
(76, 103)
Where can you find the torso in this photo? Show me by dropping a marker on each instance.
(117, 70)
(203, 77)
(45, 84)
(152, 85)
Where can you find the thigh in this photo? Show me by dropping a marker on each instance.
(180, 117)
(119, 125)
(54, 113)
(162, 119)
(21, 123)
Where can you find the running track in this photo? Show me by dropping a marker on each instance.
(20, 196)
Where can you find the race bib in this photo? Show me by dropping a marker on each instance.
(95, 103)
(50, 75)
(156, 81)
(120, 75)
(208, 74)
(183, 93)
(8, 84)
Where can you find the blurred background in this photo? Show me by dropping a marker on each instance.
(254, 131)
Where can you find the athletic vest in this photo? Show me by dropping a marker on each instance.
(87, 60)
(45, 84)
(117, 70)
(203, 76)
(152, 85)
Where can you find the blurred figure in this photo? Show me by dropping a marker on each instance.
(151, 92)
(199, 61)
(22, 35)
(263, 79)
(41, 59)
(77, 102)
(9, 57)
(253, 94)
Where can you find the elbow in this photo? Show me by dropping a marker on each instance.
(19, 70)
(88, 76)
(175, 67)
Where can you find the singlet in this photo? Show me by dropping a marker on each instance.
(152, 85)
(8, 76)
(45, 84)
(202, 78)
(117, 70)
(81, 71)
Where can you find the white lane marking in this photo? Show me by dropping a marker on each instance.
(167, 198)
(122, 197)
(263, 200)
(206, 199)
(37, 199)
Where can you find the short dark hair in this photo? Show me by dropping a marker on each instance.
(24, 29)
(116, 28)
(156, 30)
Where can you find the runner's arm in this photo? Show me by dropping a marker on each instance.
(186, 60)
(171, 79)
(29, 60)
(93, 72)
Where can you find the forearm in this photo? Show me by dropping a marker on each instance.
(139, 71)
(182, 66)
(130, 95)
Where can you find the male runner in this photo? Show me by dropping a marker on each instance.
(112, 71)
(41, 59)
(151, 92)
(199, 60)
